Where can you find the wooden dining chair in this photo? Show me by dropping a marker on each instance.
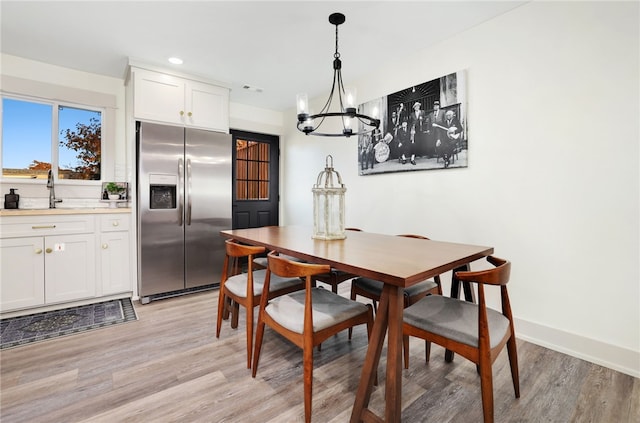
(372, 289)
(260, 261)
(334, 277)
(306, 318)
(245, 289)
(472, 330)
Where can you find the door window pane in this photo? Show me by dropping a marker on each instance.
(252, 170)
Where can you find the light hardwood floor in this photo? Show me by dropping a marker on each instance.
(169, 367)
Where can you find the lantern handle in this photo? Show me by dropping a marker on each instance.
(326, 163)
(328, 174)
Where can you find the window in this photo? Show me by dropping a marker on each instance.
(38, 136)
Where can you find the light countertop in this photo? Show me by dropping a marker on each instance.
(63, 211)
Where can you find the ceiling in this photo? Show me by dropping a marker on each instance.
(283, 47)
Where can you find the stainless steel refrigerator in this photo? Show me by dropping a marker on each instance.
(184, 200)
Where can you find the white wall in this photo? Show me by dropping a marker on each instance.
(552, 182)
(254, 119)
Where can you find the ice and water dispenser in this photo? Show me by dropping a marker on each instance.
(162, 191)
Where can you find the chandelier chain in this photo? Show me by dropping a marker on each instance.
(336, 54)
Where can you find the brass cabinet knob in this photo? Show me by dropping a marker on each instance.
(49, 250)
(115, 223)
(189, 114)
(105, 246)
(38, 250)
(181, 112)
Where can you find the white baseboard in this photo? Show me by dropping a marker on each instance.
(611, 356)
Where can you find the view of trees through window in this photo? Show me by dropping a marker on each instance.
(37, 137)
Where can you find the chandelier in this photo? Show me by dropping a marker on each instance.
(347, 114)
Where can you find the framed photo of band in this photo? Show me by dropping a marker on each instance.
(422, 127)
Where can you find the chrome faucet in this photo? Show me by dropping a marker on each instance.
(52, 191)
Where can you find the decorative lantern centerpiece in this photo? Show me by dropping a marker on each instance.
(328, 204)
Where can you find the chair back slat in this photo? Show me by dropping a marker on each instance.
(495, 276)
(289, 269)
(234, 249)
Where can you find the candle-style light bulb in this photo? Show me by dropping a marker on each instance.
(303, 104)
(350, 100)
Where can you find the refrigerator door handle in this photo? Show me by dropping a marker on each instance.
(180, 191)
(188, 194)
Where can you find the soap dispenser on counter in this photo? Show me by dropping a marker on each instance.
(11, 200)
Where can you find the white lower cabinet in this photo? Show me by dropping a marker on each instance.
(114, 254)
(69, 267)
(22, 273)
(68, 258)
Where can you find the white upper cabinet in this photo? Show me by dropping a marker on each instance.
(164, 98)
(207, 106)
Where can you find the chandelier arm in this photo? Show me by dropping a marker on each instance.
(340, 89)
(327, 105)
(368, 120)
(322, 116)
(373, 123)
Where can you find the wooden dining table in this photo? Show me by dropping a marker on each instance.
(398, 262)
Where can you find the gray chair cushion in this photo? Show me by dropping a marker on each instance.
(328, 309)
(454, 319)
(375, 287)
(238, 284)
(263, 261)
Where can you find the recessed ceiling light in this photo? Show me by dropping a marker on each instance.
(175, 60)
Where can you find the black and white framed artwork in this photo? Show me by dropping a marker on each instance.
(422, 127)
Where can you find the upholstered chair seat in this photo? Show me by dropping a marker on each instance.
(374, 287)
(238, 284)
(328, 309)
(454, 319)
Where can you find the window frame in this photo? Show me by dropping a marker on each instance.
(55, 138)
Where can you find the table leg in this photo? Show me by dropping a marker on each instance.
(455, 293)
(393, 388)
(372, 359)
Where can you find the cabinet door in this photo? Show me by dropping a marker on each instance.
(114, 262)
(158, 97)
(207, 106)
(70, 267)
(22, 273)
